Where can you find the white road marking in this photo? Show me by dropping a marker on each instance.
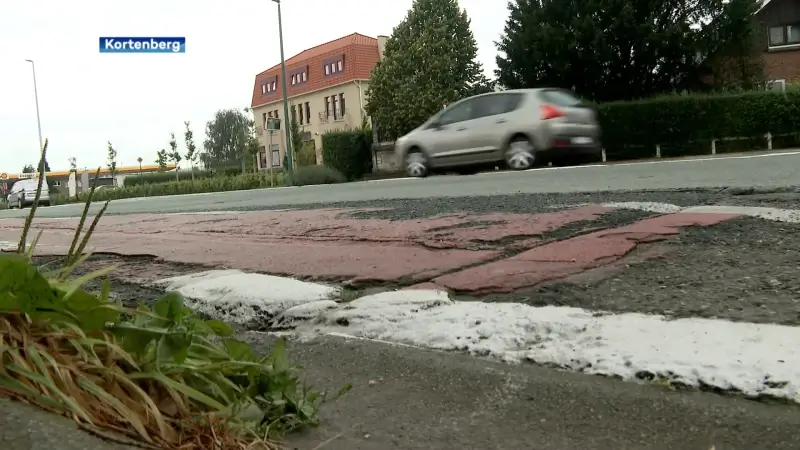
(766, 213)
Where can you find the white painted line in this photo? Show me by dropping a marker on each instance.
(766, 213)
(755, 359)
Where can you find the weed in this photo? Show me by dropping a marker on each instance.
(162, 375)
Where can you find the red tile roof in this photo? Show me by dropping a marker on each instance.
(360, 56)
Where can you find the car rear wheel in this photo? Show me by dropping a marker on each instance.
(520, 153)
(416, 164)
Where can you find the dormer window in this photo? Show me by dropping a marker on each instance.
(333, 65)
(299, 75)
(269, 86)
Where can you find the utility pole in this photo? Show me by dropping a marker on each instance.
(289, 159)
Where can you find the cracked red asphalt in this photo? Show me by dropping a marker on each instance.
(327, 244)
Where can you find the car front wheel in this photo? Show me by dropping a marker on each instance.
(416, 164)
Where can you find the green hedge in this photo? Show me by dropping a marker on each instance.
(310, 175)
(686, 124)
(348, 152)
(186, 186)
(169, 177)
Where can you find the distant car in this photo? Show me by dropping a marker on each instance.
(23, 192)
(519, 127)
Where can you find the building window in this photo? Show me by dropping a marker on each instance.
(336, 113)
(276, 155)
(269, 115)
(275, 114)
(274, 85)
(341, 103)
(327, 69)
(294, 80)
(262, 158)
(263, 89)
(327, 106)
(308, 113)
(305, 74)
(340, 65)
(784, 35)
(300, 112)
(793, 34)
(294, 114)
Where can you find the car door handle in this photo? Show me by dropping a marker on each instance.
(461, 129)
(501, 121)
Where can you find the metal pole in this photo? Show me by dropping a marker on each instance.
(271, 164)
(36, 97)
(289, 159)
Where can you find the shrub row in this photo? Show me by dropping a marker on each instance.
(686, 124)
(169, 177)
(348, 152)
(303, 176)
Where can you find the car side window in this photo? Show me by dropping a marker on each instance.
(457, 113)
(492, 105)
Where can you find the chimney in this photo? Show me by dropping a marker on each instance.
(381, 46)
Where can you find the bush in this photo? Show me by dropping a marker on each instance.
(349, 152)
(187, 186)
(307, 154)
(686, 124)
(309, 175)
(162, 375)
(169, 177)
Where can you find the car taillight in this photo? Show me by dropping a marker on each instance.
(551, 112)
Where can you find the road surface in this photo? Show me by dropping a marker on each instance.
(762, 170)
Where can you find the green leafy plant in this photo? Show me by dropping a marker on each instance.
(348, 151)
(159, 375)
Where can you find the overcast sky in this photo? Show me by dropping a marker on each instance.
(136, 100)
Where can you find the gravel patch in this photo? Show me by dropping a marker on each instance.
(743, 270)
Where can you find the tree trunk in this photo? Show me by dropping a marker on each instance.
(192, 166)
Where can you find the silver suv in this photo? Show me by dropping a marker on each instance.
(518, 127)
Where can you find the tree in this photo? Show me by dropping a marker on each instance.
(736, 57)
(175, 155)
(28, 168)
(73, 164)
(191, 148)
(610, 49)
(429, 61)
(161, 160)
(226, 139)
(112, 162)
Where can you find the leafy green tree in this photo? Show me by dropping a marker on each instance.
(73, 164)
(226, 140)
(429, 61)
(735, 60)
(175, 155)
(161, 159)
(112, 162)
(191, 148)
(28, 168)
(611, 49)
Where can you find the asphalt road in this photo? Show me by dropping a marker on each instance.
(761, 170)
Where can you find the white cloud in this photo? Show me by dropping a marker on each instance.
(134, 101)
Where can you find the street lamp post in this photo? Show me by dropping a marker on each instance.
(36, 97)
(141, 175)
(289, 159)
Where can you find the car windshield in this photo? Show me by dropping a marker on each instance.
(560, 97)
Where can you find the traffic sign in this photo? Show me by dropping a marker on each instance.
(273, 124)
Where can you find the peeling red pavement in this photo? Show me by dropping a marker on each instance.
(330, 244)
(568, 257)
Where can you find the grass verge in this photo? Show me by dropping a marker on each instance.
(161, 376)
